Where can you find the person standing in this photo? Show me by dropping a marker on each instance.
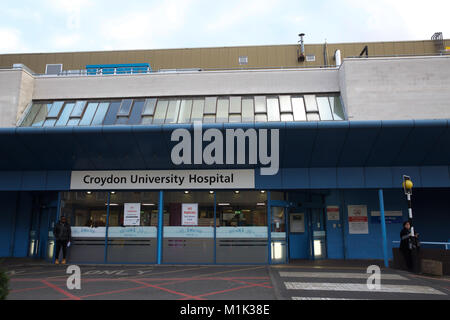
(408, 244)
(63, 235)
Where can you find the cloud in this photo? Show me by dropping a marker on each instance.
(11, 41)
(402, 19)
(149, 26)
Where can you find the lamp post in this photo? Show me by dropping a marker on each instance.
(407, 188)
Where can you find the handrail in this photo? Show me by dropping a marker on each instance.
(130, 71)
(446, 244)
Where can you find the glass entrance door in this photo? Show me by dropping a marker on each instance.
(278, 233)
(318, 239)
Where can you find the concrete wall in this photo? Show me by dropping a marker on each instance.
(16, 92)
(187, 84)
(396, 88)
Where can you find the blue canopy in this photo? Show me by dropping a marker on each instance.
(302, 145)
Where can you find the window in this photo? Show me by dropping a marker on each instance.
(222, 110)
(172, 111)
(235, 105)
(338, 113)
(285, 104)
(287, 117)
(313, 116)
(49, 122)
(84, 209)
(185, 111)
(248, 113)
(324, 108)
(149, 107)
(299, 109)
(260, 104)
(65, 114)
(125, 107)
(243, 209)
(210, 105)
(273, 110)
(197, 110)
(41, 114)
(78, 109)
(100, 114)
(310, 103)
(33, 111)
(55, 109)
(89, 114)
(161, 110)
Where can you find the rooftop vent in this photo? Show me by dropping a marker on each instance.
(53, 68)
(438, 39)
(301, 49)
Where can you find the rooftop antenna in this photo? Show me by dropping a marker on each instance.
(301, 50)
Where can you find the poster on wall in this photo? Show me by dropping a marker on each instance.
(132, 214)
(333, 213)
(189, 214)
(358, 220)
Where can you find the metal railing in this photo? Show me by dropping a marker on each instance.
(117, 71)
(445, 244)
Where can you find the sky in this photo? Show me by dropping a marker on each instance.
(92, 25)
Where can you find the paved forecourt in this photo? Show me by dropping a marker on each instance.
(351, 283)
(142, 282)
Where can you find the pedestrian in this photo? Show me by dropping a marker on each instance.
(408, 245)
(63, 236)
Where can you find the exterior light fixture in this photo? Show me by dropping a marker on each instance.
(263, 191)
(88, 192)
(211, 192)
(186, 192)
(113, 192)
(237, 191)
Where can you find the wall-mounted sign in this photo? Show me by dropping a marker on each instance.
(189, 214)
(297, 222)
(131, 214)
(333, 213)
(163, 179)
(389, 216)
(358, 220)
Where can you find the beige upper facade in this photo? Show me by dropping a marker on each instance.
(412, 85)
(275, 56)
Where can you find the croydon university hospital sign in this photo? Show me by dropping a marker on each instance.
(189, 150)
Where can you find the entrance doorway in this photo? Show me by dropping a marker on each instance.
(42, 241)
(307, 233)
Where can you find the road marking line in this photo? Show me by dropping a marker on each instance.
(338, 275)
(323, 298)
(168, 290)
(360, 287)
(64, 292)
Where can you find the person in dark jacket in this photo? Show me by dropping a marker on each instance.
(63, 235)
(408, 243)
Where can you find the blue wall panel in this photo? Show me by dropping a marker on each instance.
(413, 172)
(323, 177)
(350, 177)
(8, 202)
(435, 176)
(34, 180)
(431, 214)
(335, 236)
(10, 180)
(23, 222)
